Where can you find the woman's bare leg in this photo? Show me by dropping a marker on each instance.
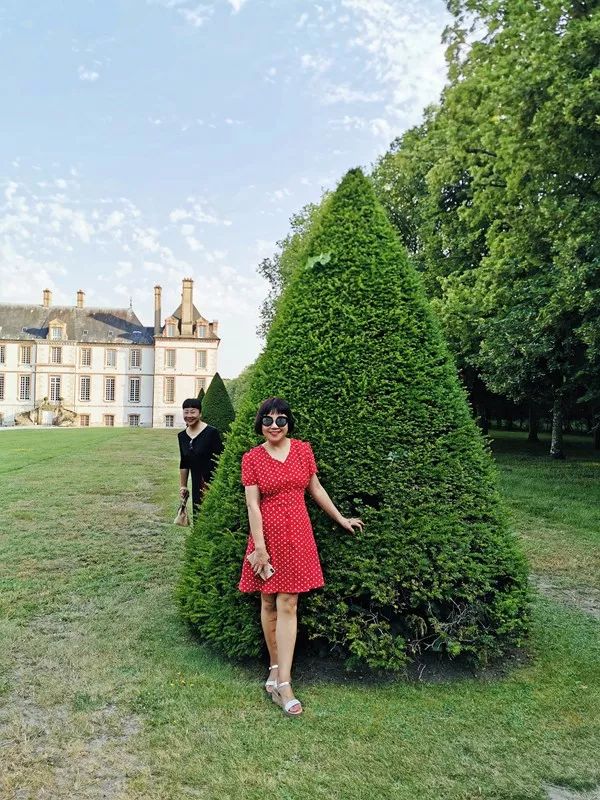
(287, 624)
(268, 619)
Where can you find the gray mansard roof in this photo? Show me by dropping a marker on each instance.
(117, 325)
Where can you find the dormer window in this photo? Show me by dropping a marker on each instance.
(56, 332)
(202, 331)
(171, 329)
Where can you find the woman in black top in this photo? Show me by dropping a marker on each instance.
(199, 445)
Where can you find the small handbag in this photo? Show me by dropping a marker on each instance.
(182, 517)
(266, 571)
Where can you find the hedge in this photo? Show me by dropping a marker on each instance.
(356, 351)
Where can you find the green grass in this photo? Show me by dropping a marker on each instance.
(103, 693)
(554, 505)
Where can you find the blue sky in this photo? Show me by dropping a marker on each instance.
(144, 141)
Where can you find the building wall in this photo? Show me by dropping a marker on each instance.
(190, 371)
(152, 407)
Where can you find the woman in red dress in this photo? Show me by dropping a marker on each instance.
(276, 475)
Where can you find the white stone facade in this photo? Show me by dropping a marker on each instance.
(113, 372)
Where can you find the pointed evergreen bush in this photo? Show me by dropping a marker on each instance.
(357, 353)
(201, 394)
(217, 408)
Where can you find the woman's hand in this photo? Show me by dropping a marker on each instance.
(350, 523)
(262, 558)
(183, 492)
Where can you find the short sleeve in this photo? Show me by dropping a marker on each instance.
(310, 460)
(248, 470)
(183, 462)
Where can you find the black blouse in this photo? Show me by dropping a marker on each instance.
(198, 455)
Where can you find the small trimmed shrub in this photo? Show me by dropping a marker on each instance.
(217, 409)
(356, 351)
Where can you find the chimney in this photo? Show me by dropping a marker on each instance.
(80, 296)
(47, 298)
(157, 309)
(187, 304)
(214, 328)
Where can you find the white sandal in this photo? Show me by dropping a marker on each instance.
(270, 686)
(286, 705)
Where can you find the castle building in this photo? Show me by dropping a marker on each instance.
(101, 366)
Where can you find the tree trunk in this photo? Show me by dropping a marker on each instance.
(556, 445)
(533, 423)
(482, 419)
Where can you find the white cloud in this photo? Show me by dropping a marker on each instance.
(344, 94)
(315, 63)
(194, 244)
(236, 5)
(178, 214)
(87, 74)
(198, 211)
(278, 194)
(146, 238)
(404, 54)
(196, 17)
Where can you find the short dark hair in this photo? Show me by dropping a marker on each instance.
(192, 402)
(273, 404)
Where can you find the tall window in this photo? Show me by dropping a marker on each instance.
(170, 358)
(169, 420)
(169, 390)
(110, 357)
(200, 384)
(84, 420)
(25, 354)
(135, 358)
(2, 353)
(55, 388)
(109, 389)
(1, 387)
(134, 420)
(25, 387)
(200, 359)
(109, 420)
(86, 356)
(171, 329)
(56, 355)
(202, 331)
(56, 332)
(84, 387)
(134, 390)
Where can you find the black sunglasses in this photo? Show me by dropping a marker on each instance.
(280, 421)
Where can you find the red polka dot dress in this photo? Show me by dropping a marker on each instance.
(286, 525)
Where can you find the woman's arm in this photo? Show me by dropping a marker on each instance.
(183, 469)
(322, 499)
(256, 527)
(183, 480)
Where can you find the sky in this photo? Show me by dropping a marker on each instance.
(144, 141)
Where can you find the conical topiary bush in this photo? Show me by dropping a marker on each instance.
(201, 394)
(356, 352)
(217, 408)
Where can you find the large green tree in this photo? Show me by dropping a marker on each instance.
(357, 352)
(508, 198)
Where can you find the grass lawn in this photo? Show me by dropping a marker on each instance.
(103, 693)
